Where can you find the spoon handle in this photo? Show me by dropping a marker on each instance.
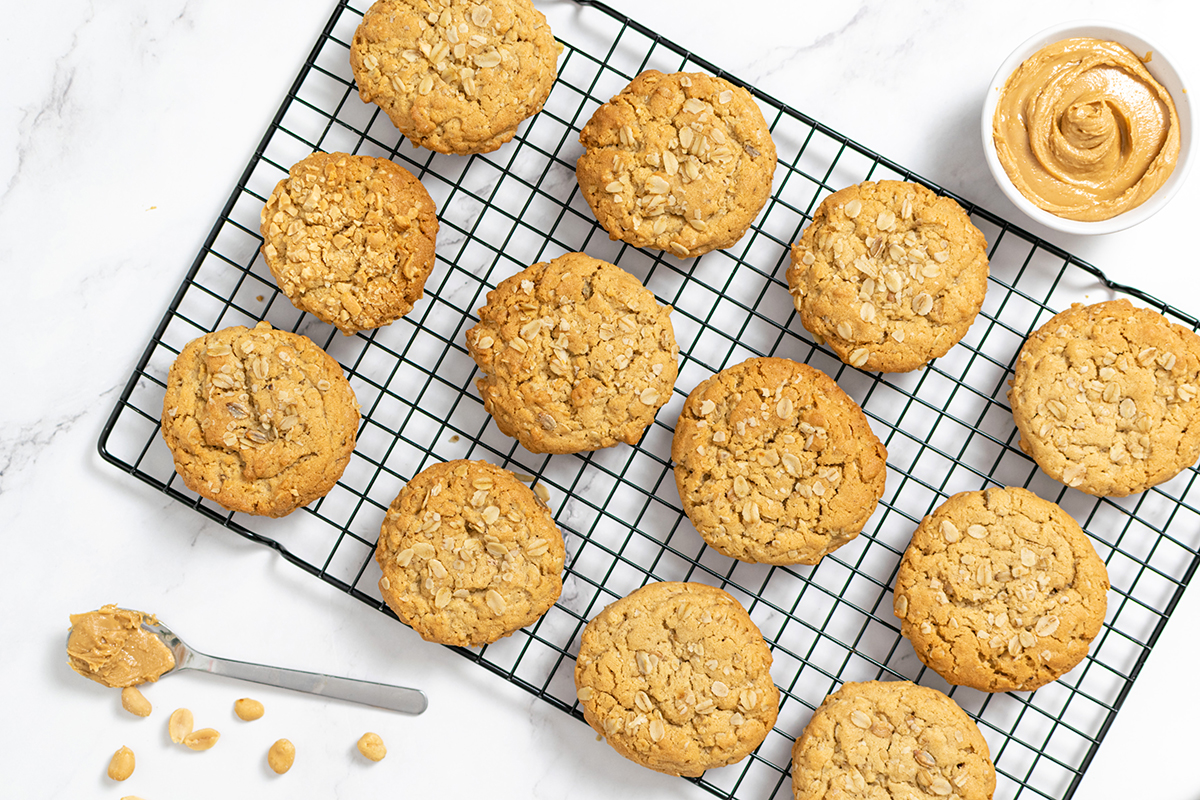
(379, 695)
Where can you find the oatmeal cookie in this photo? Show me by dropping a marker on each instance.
(775, 463)
(350, 239)
(891, 739)
(889, 275)
(1106, 398)
(680, 162)
(469, 554)
(455, 76)
(1001, 591)
(677, 678)
(258, 420)
(576, 355)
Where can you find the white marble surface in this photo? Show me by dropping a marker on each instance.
(123, 127)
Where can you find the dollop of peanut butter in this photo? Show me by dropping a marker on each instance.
(1084, 130)
(111, 647)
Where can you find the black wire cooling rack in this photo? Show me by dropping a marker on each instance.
(947, 428)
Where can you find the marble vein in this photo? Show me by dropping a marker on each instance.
(51, 116)
(780, 58)
(20, 446)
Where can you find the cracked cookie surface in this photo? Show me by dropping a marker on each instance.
(889, 275)
(1107, 398)
(576, 355)
(894, 740)
(469, 554)
(676, 676)
(258, 420)
(1000, 590)
(455, 76)
(350, 239)
(775, 463)
(680, 162)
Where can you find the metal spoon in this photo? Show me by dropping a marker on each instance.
(379, 695)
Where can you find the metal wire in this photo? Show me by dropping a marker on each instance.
(948, 428)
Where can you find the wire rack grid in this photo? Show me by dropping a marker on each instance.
(947, 428)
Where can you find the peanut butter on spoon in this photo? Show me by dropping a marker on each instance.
(111, 647)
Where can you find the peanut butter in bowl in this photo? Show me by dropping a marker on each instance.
(1084, 131)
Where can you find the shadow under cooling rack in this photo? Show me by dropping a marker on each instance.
(947, 428)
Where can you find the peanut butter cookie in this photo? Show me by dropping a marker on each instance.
(350, 239)
(680, 162)
(455, 76)
(1001, 591)
(1106, 398)
(889, 275)
(891, 739)
(469, 554)
(677, 678)
(775, 463)
(576, 355)
(258, 420)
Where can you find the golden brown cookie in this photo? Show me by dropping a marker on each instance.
(350, 239)
(259, 420)
(1001, 591)
(677, 677)
(576, 355)
(1107, 398)
(680, 162)
(889, 275)
(455, 76)
(775, 463)
(891, 739)
(469, 554)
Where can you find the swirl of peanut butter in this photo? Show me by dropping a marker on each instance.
(1084, 131)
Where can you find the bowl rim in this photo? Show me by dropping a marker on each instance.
(1163, 70)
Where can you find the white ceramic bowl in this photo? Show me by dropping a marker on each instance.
(1162, 70)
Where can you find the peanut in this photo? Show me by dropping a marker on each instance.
(281, 755)
(248, 709)
(372, 747)
(203, 739)
(180, 725)
(121, 765)
(133, 701)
